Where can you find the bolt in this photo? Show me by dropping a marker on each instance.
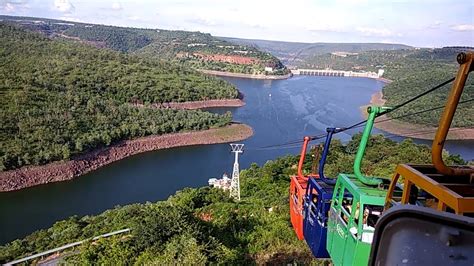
(461, 58)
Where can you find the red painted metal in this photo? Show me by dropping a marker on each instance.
(302, 155)
(298, 184)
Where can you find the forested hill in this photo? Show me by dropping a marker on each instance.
(60, 98)
(412, 72)
(293, 53)
(203, 226)
(195, 49)
(415, 72)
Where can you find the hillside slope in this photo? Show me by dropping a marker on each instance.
(203, 226)
(417, 72)
(412, 72)
(194, 49)
(292, 53)
(60, 98)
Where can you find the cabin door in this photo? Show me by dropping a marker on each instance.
(341, 217)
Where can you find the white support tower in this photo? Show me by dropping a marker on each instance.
(235, 184)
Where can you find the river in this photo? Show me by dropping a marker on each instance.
(278, 111)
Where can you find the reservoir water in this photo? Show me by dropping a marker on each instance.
(278, 111)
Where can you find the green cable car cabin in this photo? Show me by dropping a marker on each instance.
(356, 205)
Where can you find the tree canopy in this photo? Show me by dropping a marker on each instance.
(191, 49)
(60, 98)
(412, 72)
(203, 225)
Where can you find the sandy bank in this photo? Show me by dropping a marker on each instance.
(407, 129)
(384, 80)
(242, 75)
(60, 171)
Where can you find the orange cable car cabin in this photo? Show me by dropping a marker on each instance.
(298, 184)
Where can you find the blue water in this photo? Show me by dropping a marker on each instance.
(278, 111)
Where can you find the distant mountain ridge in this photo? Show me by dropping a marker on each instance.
(291, 52)
(413, 70)
(206, 52)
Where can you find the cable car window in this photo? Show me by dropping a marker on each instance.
(371, 215)
(346, 206)
(295, 196)
(336, 195)
(354, 212)
(314, 203)
(420, 197)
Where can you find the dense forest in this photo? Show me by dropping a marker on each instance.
(184, 47)
(59, 98)
(419, 71)
(119, 39)
(412, 72)
(202, 225)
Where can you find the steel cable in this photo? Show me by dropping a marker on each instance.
(359, 124)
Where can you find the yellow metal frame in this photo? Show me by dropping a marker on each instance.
(452, 186)
(466, 65)
(447, 189)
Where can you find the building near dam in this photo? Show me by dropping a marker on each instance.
(337, 73)
(223, 183)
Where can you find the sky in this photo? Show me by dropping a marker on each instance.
(421, 23)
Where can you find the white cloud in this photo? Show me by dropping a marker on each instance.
(387, 41)
(302, 20)
(436, 25)
(377, 32)
(116, 6)
(324, 28)
(64, 6)
(352, 2)
(72, 19)
(133, 18)
(463, 27)
(203, 21)
(10, 6)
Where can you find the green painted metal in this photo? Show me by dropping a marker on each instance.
(373, 111)
(346, 247)
(346, 242)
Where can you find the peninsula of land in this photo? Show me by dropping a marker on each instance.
(421, 131)
(242, 75)
(194, 105)
(29, 176)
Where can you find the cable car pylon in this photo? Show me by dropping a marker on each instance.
(235, 183)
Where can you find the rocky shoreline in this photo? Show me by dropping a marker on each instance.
(201, 104)
(406, 129)
(242, 75)
(60, 171)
